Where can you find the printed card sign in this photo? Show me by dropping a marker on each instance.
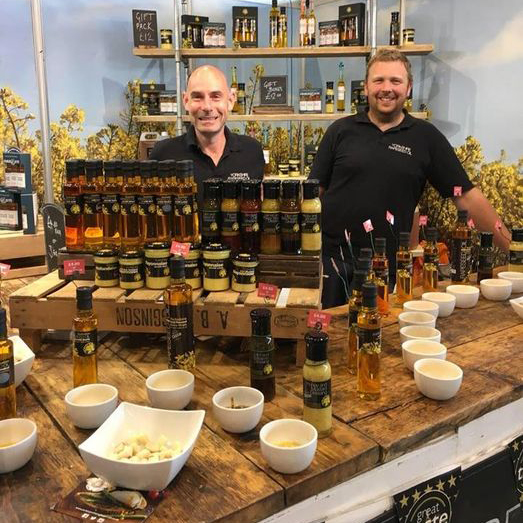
(266, 290)
(273, 90)
(423, 220)
(4, 269)
(318, 320)
(180, 248)
(145, 28)
(432, 501)
(516, 453)
(74, 266)
(457, 190)
(390, 217)
(367, 225)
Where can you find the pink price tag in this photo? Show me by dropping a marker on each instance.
(423, 220)
(471, 224)
(457, 190)
(390, 217)
(4, 269)
(266, 290)
(318, 320)
(180, 248)
(72, 266)
(367, 225)
(498, 225)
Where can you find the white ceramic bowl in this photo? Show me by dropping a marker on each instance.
(517, 306)
(238, 420)
(516, 278)
(496, 289)
(88, 406)
(288, 460)
(426, 306)
(170, 388)
(445, 302)
(24, 358)
(414, 350)
(419, 332)
(416, 318)
(128, 419)
(20, 435)
(437, 379)
(466, 295)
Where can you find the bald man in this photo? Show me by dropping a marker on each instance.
(215, 150)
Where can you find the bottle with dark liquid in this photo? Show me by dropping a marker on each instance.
(92, 205)
(7, 372)
(394, 38)
(430, 261)
(72, 195)
(129, 218)
(146, 200)
(364, 263)
(380, 266)
(184, 202)
(211, 213)
(111, 205)
(250, 216)
(358, 280)
(403, 270)
(163, 200)
(230, 207)
(290, 217)
(271, 234)
(85, 339)
(461, 250)
(486, 256)
(261, 349)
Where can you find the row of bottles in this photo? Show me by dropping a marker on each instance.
(307, 24)
(277, 26)
(128, 203)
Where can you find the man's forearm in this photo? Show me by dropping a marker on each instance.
(484, 216)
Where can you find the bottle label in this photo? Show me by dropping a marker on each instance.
(405, 265)
(303, 26)
(164, 205)
(381, 276)
(486, 260)
(460, 256)
(311, 26)
(85, 343)
(192, 269)
(266, 156)
(431, 258)
(7, 372)
(262, 363)
(214, 270)
(92, 204)
(180, 340)
(106, 271)
(271, 222)
(157, 267)
(132, 273)
(515, 257)
(210, 222)
(311, 222)
(341, 93)
(183, 205)
(290, 222)
(317, 394)
(73, 205)
(146, 205)
(244, 276)
(369, 340)
(230, 222)
(250, 222)
(110, 204)
(194, 205)
(128, 204)
(353, 317)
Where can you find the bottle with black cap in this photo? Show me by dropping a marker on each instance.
(85, 339)
(311, 218)
(515, 262)
(250, 216)
(111, 204)
(486, 256)
(380, 267)
(317, 398)
(369, 345)
(290, 217)
(179, 318)
(146, 200)
(92, 205)
(184, 202)
(7, 372)
(461, 250)
(129, 217)
(404, 280)
(230, 207)
(430, 260)
(261, 354)
(364, 263)
(73, 204)
(211, 213)
(163, 200)
(358, 280)
(270, 229)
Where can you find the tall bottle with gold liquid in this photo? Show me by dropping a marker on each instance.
(92, 205)
(380, 266)
(282, 28)
(85, 339)
(72, 197)
(340, 102)
(358, 279)
(430, 261)
(303, 25)
(234, 89)
(461, 250)
(404, 270)
(311, 24)
(164, 204)
(111, 204)
(273, 24)
(129, 217)
(369, 345)
(7, 372)
(146, 200)
(515, 262)
(184, 202)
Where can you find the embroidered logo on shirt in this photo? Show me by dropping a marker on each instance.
(400, 148)
(239, 176)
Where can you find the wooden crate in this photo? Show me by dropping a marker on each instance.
(49, 303)
(286, 270)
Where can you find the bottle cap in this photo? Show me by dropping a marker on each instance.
(212, 189)
(370, 292)
(405, 239)
(486, 239)
(93, 168)
(129, 167)
(283, 10)
(261, 322)
(167, 167)
(431, 234)
(358, 279)
(110, 167)
(184, 168)
(84, 298)
(71, 168)
(330, 85)
(274, 3)
(364, 264)
(291, 189)
(81, 166)
(381, 245)
(316, 345)
(3, 323)
(311, 189)
(177, 266)
(251, 190)
(230, 189)
(517, 235)
(463, 215)
(271, 189)
(365, 252)
(241, 86)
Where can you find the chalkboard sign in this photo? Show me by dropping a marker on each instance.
(145, 28)
(273, 90)
(54, 233)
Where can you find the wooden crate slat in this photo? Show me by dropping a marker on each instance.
(308, 298)
(222, 298)
(40, 287)
(255, 300)
(108, 293)
(144, 295)
(69, 291)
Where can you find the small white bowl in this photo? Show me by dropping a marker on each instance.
(419, 332)
(422, 306)
(181, 426)
(24, 358)
(445, 302)
(88, 406)
(437, 379)
(517, 306)
(496, 289)
(416, 318)
(516, 278)
(238, 420)
(20, 435)
(414, 350)
(288, 460)
(170, 389)
(466, 295)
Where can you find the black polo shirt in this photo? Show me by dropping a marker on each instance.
(367, 172)
(242, 157)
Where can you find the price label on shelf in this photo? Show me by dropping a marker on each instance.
(457, 190)
(266, 290)
(423, 220)
(74, 266)
(318, 320)
(471, 224)
(180, 248)
(4, 269)
(390, 217)
(367, 225)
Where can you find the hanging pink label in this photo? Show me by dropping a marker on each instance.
(423, 220)
(318, 320)
(74, 266)
(498, 225)
(367, 225)
(180, 248)
(390, 217)
(457, 190)
(4, 269)
(471, 224)
(266, 290)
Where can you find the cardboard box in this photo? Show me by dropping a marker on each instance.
(245, 26)
(17, 170)
(310, 101)
(329, 33)
(352, 24)
(10, 210)
(192, 30)
(213, 34)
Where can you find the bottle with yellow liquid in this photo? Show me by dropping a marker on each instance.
(111, 204)
(7, 372)
(92, 205)
(358, 280)
(431, 261)
(273, 24)
(85, 339)
(404, 270)
(380, 266)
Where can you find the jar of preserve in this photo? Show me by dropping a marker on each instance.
(244, 272)
(283, 170)
(132, 270)
(216, 267)
(157, 273)
(193, 271)
(106, 268)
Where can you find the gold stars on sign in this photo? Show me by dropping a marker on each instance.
(515, 446)
(428, 489)
(416, 495)
(404, 501)
(441, 486)
(452, 481)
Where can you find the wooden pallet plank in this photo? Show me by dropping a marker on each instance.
(69, 291)
(222, 298)
(108, 293)
(24, 272)
(40, 287)
(304, 298)
(255, 300)
(148, 295)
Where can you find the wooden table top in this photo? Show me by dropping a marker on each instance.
(485, 341)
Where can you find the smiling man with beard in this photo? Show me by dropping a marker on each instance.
(378, 161)
(214, 149)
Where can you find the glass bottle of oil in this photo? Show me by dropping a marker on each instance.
(7, 372)
(461, 250)
(303, 25)
(282, 28)
(129, 218)
(111, 205)
(317, 396)
(430, 261)
(329, 98)
(163, 200)
(358, 280)
(403, 270)
(92, 208)
(179, 318)
(486, 256)
(85, 339)
(72, 195)
(234, 89)
(146, 200)
(311, 24)
(515, 262)
(369, 345)
(241, 98)
(380, 267)
(340, 103)
(273, 24)
(184, 202)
